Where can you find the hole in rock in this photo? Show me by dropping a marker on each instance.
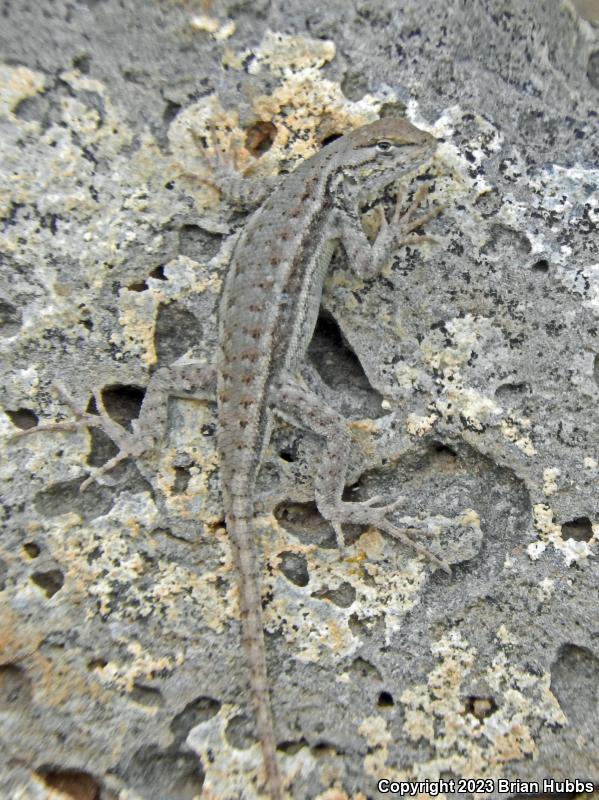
(579, 529)
(295, 568)
(480, 707)
(385, 700)
(541, 266)
(32, 549)
(259, 138)
(50, 581)
(23, 418)
(71, 782)
(198, 710)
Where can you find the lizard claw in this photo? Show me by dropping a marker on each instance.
(387, 508)
(129, 444)
(413, 240)
(406, 220)
(419, 195)
(365, 513)
(80, 418)
(405, 535)
(102, 470)
(379, 218)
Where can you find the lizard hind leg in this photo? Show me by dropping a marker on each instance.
(86, 419)
(302, 407)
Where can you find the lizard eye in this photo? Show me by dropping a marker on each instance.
(384, 146)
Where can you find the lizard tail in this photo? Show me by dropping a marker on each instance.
(242, 533)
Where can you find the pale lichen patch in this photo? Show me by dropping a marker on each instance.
(239, 772)
(462, 743)
(505, 636)
(229, 771)
(476, 409)
(104, 559)
(138, 311)
(448, 353)
(408, 377)
(550, 532)
(418, 425)
(389, 592)
(16, 85)
(375, 732)
(96, 218)
(462, 177)
(381, 582)
(141, 665)
(513, 429)
(550, 478)
(283, 54)
(464, 335)
(220, 31)
(546, 589)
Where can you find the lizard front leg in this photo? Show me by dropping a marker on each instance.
(367, 259)
(298, 405)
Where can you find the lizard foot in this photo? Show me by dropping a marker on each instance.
(130, 445)
(405, 221)
(367, 513)
(225, 172)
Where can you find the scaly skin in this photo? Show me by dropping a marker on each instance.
(267, 317)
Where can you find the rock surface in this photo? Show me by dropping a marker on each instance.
(470, 369)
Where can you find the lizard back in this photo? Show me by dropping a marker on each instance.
(278, 260)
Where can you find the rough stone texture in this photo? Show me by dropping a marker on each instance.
(120, 670)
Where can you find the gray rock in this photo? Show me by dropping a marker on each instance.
(470, 369)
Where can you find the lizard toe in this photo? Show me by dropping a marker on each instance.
(366, 513)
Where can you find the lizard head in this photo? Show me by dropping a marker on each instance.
(376, 155)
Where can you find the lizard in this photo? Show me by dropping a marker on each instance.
(268, 312)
